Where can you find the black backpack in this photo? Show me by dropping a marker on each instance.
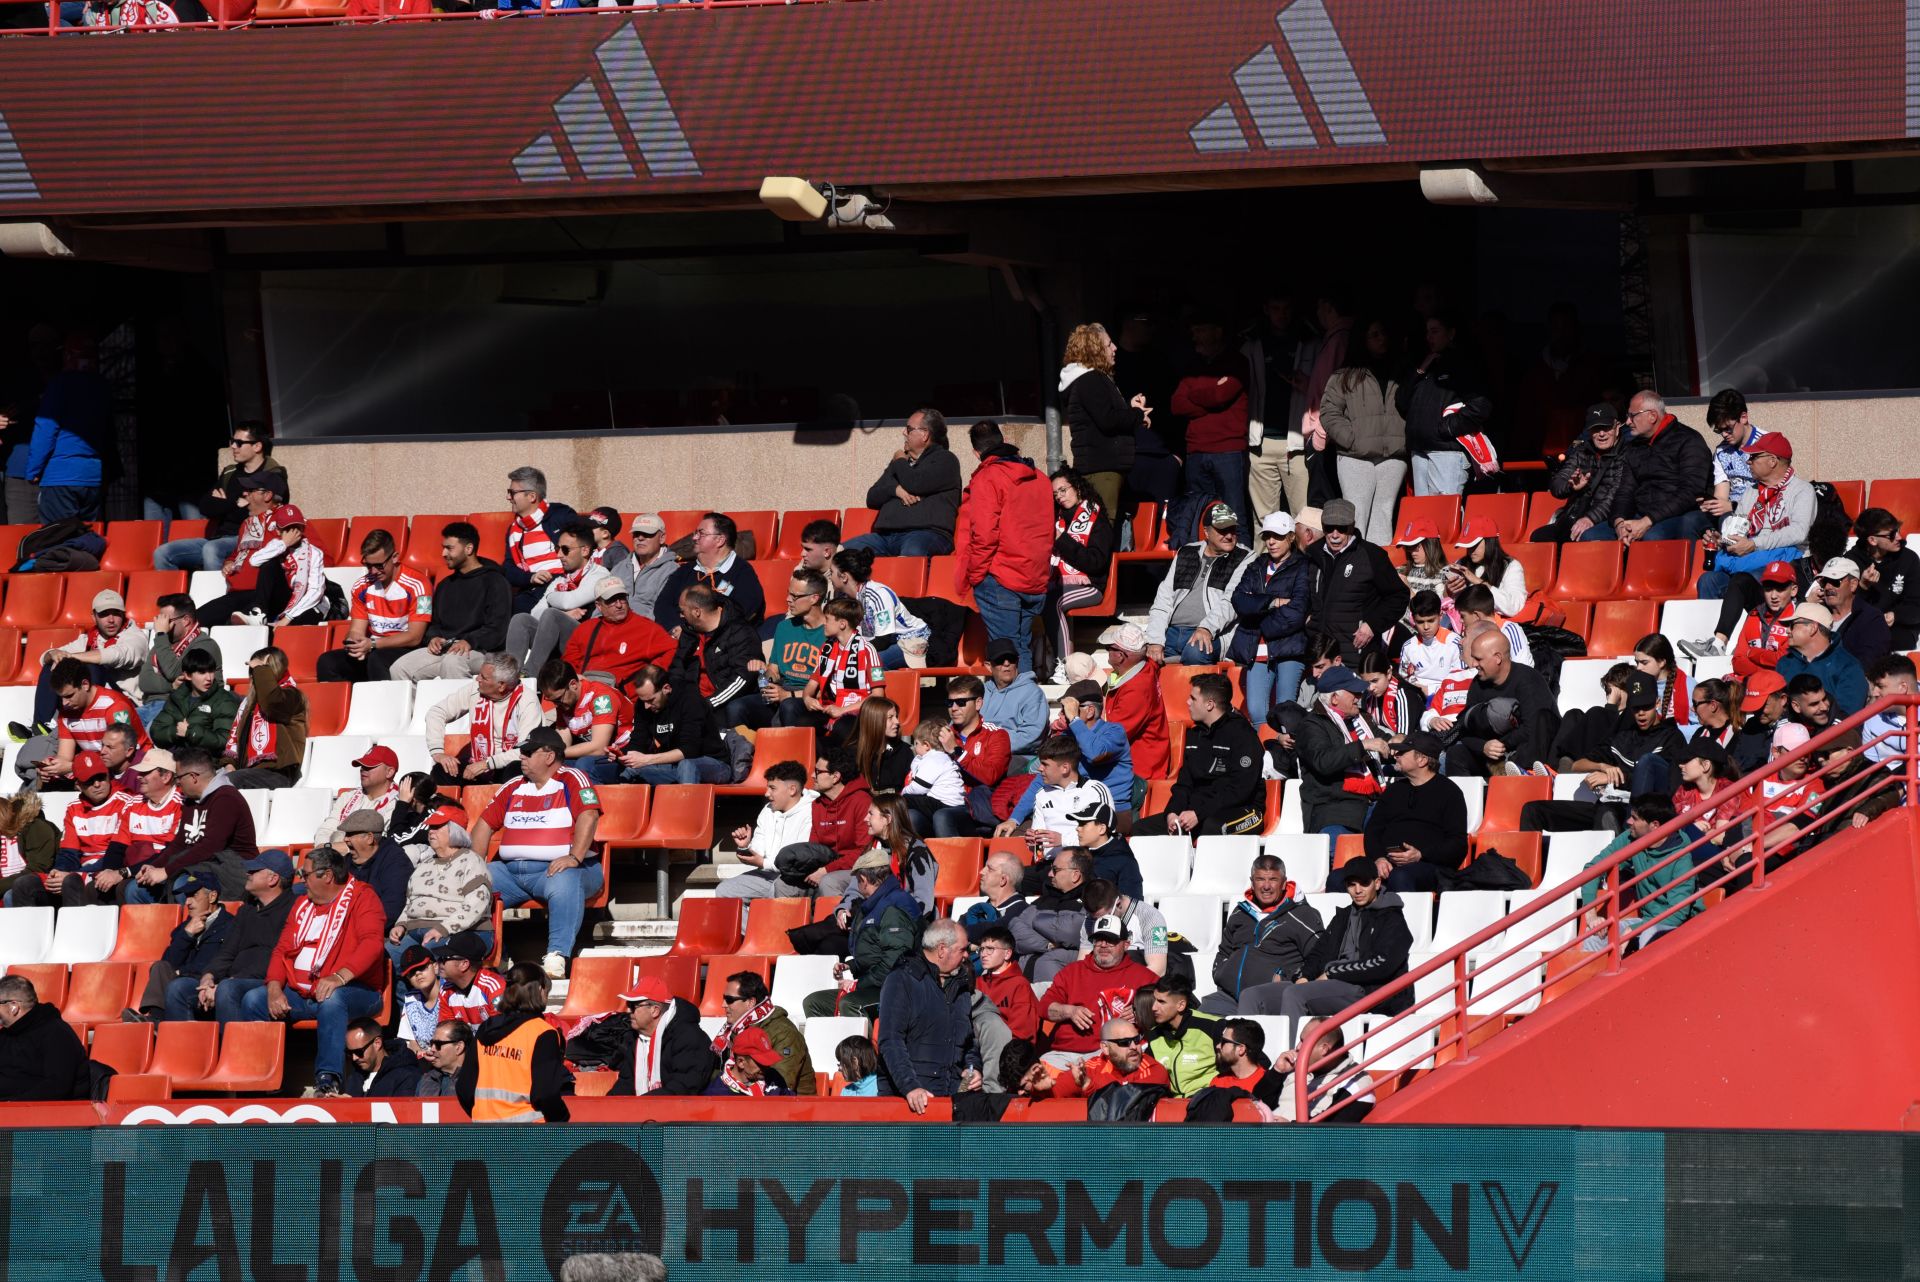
(1126, 1101)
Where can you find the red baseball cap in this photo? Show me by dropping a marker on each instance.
(1771, 443)
(89, 765)
(1762, 686)
(287, 514)
(379, 756)
(1416, 530)
(1477, 528)
(756, 1046)
(1779, 572)
(648, 988)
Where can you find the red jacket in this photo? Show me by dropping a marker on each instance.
(1137, 707)
(1760, 644)
(361, 949)
(842, 824)
(1006, 525)
(1012, 994)
(619, 648)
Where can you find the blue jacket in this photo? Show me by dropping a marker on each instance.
(1106, 755)
(1020, 710)
(1284, 629)
(72, 433)
(926, 1029)
(1838, 671)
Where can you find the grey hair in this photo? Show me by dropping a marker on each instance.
(634, 1267)
(941, 933)
(506, 667)
(531, 477)
(18, 988)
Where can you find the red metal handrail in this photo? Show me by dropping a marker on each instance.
(381, 15)
(1616, 905)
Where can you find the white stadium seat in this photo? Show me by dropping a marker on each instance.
(25, 935)
(1165, 863)
(84, 934)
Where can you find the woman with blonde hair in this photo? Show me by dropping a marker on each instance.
(1101, 422)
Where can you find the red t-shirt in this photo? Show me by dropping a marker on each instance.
(1106, 993)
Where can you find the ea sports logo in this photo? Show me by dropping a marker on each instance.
(603, 1199)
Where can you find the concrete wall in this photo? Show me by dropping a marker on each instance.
(742, 469)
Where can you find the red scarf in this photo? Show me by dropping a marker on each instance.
(484, 730)
(1079, 528)
(317, 958)
(1769, 512)
(262, 734)
(1359, 780)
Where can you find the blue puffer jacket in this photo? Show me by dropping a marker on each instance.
(1284, 629)
(72, 433)
(926, 1029)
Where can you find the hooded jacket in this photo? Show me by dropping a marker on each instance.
(1361, 417)
(41, 1058)
(473, 606)
(38, 837)
(1668, 473)
(548, 1071)
(926, 1028)
(1005, 527)
(1256, 946)
(1100, 422)
(1382, 940)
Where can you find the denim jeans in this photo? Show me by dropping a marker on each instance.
(518, 881)
(1442, 473)
(1688, 525)
(1009, 616)
(686, 770)
(193, 554)
(348, 1003)
(904, 543)
(1267, 686)
(1180, 649)
(58, 502)
(1209, 477)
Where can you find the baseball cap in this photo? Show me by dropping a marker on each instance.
(1420, 741)
(465, 945)
(379, 756)
(1087, 692)
(1789, 735)
(1764, 685)
(363, 820)
(154, 759)
(1771, 443)
(649, 523)
(999, 650)
(609, 588)
(1108, 926)
(1309, 517)
(273, 861)
(416, 957)
(1339, 677)
(287, 514)
(1221, 517)
(1840, 567)
(1779, 572)
(542, 737)
(200, 879)
(1641, 692)
(756, 1046)
(1601, 417)
(1277, 523)
(1812, 612)
(648, 988)
(1476, 529)
(1359, 868)
(107, 601)
(1093, 812)
(1339, 512)
(89, 765)
(1417, 530)
(1128, 636)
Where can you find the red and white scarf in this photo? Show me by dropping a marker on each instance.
(1079, 527)
(763, 1010)
(1769, 510)
(530, 546)
(1359, 780)
(493, 725)
(262, 734)
(316, 955)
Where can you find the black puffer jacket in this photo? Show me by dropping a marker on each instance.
(1101, 422)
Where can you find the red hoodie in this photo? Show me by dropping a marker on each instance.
(1005, 526)
(842, 824)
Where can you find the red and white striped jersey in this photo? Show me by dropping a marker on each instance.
(530, 547)
(601, 705)
(478, 1004)
(89, 828)
(146, 826)
(389, 608)
(109, 708)
(535, 821)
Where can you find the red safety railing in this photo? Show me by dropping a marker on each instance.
(335, 13)
(1848, 766)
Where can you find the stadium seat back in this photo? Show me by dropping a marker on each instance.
(707, 926)
(125, 1048)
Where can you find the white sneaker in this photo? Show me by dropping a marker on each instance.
(1707, 648)
(555, 965)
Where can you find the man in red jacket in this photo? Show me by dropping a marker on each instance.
(1004, 540)
(330, 965)
(1212, 397)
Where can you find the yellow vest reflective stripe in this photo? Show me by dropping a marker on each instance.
(503, 1091)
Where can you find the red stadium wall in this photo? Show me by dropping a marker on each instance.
(1798, 1006)
(935, 95)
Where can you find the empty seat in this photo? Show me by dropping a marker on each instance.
(1165, 863)
(84, 934)
(1221, 865)
(26, 934)
(380, 708)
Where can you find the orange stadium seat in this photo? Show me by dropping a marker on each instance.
(787, 547)
(326, 703)
(1506, 794)
(1659, 570)
(777, 743)
(329, 534)
(130, 545)
(1900, 497)
(1618, 625)
(706, 926)
(184, 1049)
(128, 1087)
(1508, 512)
(125, 1048)
(361, 526)
(723, 965)
(146, 587)
(77, 605)
(1442, 509)
(49, 980)
(423, 539)
(1588, 572)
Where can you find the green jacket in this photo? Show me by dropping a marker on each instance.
(209, 719)
(39, 842)
(1188, 1056)
(1674, 882)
